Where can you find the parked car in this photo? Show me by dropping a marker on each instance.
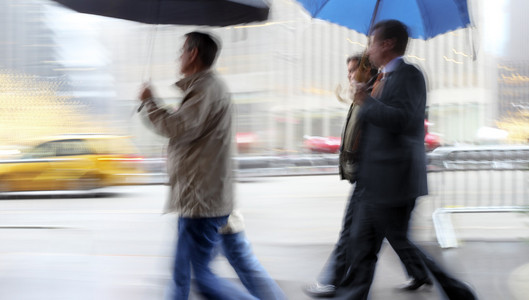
(72, 162)
(245, 141)
(431, 140)
(319, 144)
(331, 144)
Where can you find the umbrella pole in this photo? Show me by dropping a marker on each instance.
(146, 76)
(147, 71)
(470, 35)
(363, 64)
(373, 18)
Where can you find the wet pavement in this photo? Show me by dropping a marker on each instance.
(496, 270)
(118, 245)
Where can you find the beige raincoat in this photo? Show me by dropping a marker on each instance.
(199, 162)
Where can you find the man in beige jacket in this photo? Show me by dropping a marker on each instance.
(199, 166)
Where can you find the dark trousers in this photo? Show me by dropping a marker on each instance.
(452, 287)
(339, 261)
(373, 223)
(341, 258)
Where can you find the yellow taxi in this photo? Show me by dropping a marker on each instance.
(72, 162)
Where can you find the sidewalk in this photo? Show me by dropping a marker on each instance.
(121, 247)
(496, 270)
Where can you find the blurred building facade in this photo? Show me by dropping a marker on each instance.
(283, 73)
(50, 81)
(30, 82)
(513, 99)
(27, 42)
(513, 87)
(513, 74)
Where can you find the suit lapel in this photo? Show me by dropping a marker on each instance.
(390, 80)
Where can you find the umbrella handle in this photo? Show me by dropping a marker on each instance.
(140, 107)
(145, 84)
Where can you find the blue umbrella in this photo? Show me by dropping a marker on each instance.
(424, 18)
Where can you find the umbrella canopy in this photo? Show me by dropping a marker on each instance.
(180, 12)
(424, 18)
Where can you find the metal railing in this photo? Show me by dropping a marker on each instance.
(259, 166)
(473, 179)
(477, 179)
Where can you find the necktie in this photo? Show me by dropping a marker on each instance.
(378, 84)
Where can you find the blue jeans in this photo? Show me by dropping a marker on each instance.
(196, 239)
(252, 274)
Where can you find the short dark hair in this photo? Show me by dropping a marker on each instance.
(393, 29)
(206, 45)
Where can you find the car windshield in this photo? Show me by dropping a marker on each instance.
(56, 148)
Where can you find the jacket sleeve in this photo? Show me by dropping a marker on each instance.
(187, 122)
(398, 108)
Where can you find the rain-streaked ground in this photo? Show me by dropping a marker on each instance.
(118, 245)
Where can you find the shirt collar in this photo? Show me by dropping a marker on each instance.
(187, 81)
(392, 65)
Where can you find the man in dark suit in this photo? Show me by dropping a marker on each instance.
(392, 167)
(339, 261)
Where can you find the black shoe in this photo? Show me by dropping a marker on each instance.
(319, 290)
(414, 284)
(459, 291)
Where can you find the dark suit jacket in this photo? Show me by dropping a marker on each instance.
(392, 165)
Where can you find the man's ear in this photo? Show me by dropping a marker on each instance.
(389, 44)
(193, 55)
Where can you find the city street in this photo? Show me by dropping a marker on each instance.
(117, 244)
(274, 80)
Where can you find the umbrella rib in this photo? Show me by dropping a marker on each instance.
(465, 18)
(321, 7)
(424, 20)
